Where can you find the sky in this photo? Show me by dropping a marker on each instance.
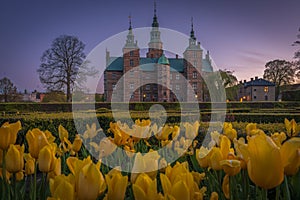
(241, 36)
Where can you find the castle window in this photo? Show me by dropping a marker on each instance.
(254, 97)
(195, 63)
(132, 96)
(266, 97)
(131, 73)
(177, 76)
(131, 53)
(131, 85)
(177, 87)
(195, 86)
(195, 74)
(171, 87)
(171, 76)
(195, 54)
(113, 86)
(266, 89)
(147, 87)
(131, 63)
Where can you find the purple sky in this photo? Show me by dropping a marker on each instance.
(241, 35)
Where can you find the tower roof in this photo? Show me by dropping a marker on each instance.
(163, 60)
(155, 22)
(192, 35)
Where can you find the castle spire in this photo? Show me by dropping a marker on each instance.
(155, 22)
(192, 35)
(130, 43)
(129, 18)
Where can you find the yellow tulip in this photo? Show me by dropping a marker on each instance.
(225, 186)
(116, 182)
(91, 131)
(250, 129)
(90, 183)
(164, 133)
(105, 148)
(202, 156)
(57, 169)
(29, 165)
(229, 131)
(63, 133)
(231, 167)
(147, 163)
(36, 140)
(19, 176)
(8, 134)
(290, 155)
(1, 156)
(215, 139)
(49, 136)
(191, 130)
(63, 187)
(215, 157)
(77, 143)
(291, 127)
(145, 188)
(14, 158)
(7, 175)
(46, 159)
(265, 167)
(214, 196)
(278, 138)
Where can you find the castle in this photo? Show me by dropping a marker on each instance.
(156, 78)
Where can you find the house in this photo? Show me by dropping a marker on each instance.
(257, 89)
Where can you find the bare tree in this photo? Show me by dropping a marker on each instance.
(8, 91)
(62, 64)
(280, 72)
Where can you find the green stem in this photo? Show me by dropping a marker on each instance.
(287, 195)
(34, 181)
(14, 187)
(277, 193)
(264, 194)
(4, 166)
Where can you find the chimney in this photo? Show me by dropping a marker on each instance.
(251, 79)
(107, 57)
(256, 77)
(241, 82)
(176, 56)
(245, 81)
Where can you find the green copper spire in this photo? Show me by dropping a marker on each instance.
(155, 22)
(192, 35)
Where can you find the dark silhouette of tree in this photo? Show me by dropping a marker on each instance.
(8, 91)
(280, 72)
(62, 66)
(228, 78)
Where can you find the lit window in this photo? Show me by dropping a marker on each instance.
(177, 76)
(194, 74)
(266, 89)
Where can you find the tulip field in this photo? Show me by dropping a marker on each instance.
(221, 164)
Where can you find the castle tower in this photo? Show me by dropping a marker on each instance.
(131, 60)
(193, 67)
(163, 77)
(155, 45)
